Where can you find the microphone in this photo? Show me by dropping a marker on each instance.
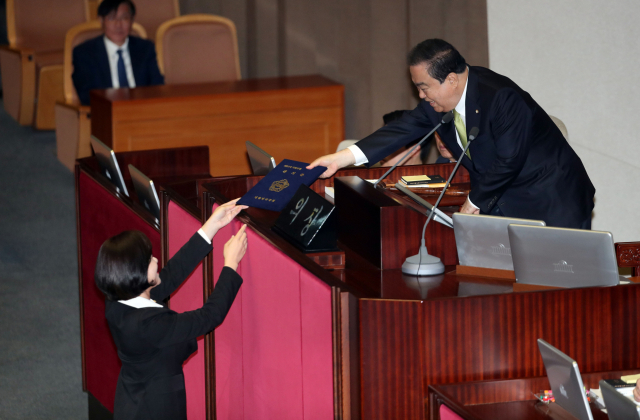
(445, 119)
(423, 264)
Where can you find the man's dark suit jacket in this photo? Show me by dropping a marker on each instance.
(91, 66)
(520, 161)
(154, 342)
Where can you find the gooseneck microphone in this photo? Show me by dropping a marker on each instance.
(446, 118)
(424, 264)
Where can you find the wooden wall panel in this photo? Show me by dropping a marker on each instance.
(489, 337)
(359, 43)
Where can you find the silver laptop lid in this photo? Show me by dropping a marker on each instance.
(146, 191)
(109, 164)
(483, 240)
(619, 407)
(561, 257)
(261, 162)
(565, 380)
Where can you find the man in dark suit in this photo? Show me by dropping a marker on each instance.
(114, 59)
(520, 164)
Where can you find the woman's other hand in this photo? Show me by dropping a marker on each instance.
(235, 248)
(221, 217)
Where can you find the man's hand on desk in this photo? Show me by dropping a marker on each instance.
(333, 162)
(469, 208)
(636, 391)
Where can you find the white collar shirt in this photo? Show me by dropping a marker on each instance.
(112, 54)
(139, 302)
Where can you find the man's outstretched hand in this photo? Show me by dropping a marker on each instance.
(333, 162)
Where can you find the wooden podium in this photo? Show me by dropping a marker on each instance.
(299, 117)
(306, 338)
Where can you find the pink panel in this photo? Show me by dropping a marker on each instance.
(228, 341)
(102, 216)
(189, 296)
(317, 347)
(447, 414)
(274, 351)
(271, 333)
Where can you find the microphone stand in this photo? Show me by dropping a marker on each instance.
(423, 264)
(445, 119)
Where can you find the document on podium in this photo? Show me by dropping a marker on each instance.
(274, 191)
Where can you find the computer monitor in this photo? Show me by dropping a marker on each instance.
(109, 164)
(551, 256)
(261, 162)
(483, 240)
(146, 191)
(565, 380)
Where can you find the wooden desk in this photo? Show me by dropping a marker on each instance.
(375, 338)
(509, 399)
(398, 334)
(300, 118)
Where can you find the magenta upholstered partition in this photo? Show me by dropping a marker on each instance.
(181, 226)
(273, 353)
(447, 414)
(101, 215)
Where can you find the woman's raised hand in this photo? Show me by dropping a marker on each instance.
(221, 217)
(235, 248)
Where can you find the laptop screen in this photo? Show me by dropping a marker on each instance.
(565, 380)
(483, 240)
(561, 257)
(109, 164)
(261, 162)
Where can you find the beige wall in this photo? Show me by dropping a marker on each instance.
(359, 43)
(578, 59)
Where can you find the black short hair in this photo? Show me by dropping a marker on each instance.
(123, 264)
(440, 57)
(108, 6)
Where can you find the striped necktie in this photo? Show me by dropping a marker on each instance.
(462, 130)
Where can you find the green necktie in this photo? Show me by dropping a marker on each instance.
(462, 131)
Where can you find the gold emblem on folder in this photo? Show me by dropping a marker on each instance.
(278, 186)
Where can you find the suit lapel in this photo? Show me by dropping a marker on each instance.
(472, 103)
(103, 62)
(136, 57)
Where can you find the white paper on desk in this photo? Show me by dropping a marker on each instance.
(330, 192)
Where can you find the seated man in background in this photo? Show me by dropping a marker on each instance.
(420, 154)
(115, 59)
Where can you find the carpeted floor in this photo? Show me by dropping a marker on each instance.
(40, 367)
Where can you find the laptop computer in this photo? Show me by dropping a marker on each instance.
(109, 164)
(560, 257)
(483, 240)
(565, 380)
(146, 191)
(261, 162)
(619, 406)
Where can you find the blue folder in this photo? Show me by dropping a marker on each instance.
(274, 191)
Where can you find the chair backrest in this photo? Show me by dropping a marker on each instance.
(76, 36)
(198, 48)
(42, 25)
(152, 13)
(561, 126)
(628, 256)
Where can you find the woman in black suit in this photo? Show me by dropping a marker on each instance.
(153, 341)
